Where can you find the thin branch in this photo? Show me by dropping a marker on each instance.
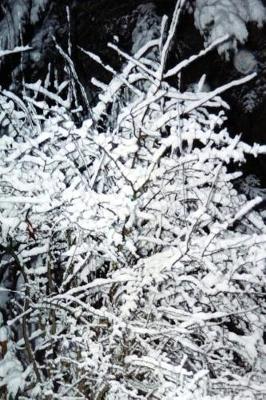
(17, 49)
(70, 63)
(171, 33)
(175, 70)
(218, 91)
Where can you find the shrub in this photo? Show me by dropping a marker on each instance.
(135, 268)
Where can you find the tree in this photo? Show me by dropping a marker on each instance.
(134, 266)
(217, 18)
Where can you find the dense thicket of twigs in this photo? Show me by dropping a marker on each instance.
(131, 267)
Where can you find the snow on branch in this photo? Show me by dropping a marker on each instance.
(183, 64)
(17, 49)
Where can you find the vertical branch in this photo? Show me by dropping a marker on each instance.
(9, 250)
(171, 33)
(162, 31)
(26, 337)
(69, 49)
(71, 66)
(50, 291)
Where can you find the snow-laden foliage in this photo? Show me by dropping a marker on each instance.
(133, 267)
(147, 26)
(216, 18)
(245, 62)
(250, 97)
(17, 13)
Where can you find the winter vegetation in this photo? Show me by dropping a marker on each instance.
(131, 264)
(213, 18)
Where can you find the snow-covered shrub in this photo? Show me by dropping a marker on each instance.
(136, 268)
